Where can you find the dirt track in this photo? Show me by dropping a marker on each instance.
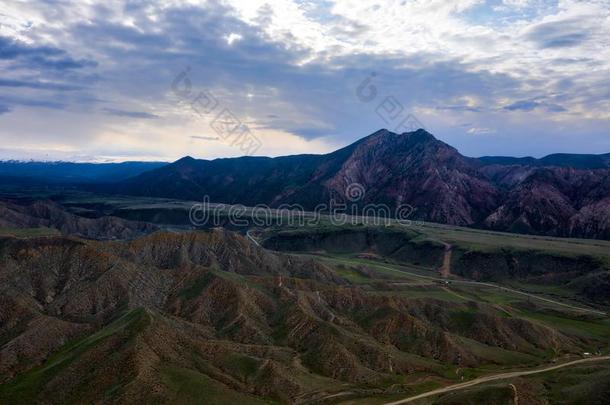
(445, 269)
(489, 378)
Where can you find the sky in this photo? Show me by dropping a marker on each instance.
(157, 80)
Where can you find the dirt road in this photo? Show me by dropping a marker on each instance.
(495, 377)
(499, 287)
(445, 269)
(251, 238)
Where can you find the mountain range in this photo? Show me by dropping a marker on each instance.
(70, 172)
(209, 317)
(560, 195)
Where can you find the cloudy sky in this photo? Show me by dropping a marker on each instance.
(92, 80)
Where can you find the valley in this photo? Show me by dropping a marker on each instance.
(355, 313)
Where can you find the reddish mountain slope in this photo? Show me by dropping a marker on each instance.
(563, 195)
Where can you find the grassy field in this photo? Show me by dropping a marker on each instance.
(460, 236)
(187, 387)
(409, 278)
(482, 239)
(581, 384)
(28, 232)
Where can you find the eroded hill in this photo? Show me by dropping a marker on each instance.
(48, 214)
(210, 316)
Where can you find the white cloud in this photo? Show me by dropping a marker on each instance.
(232, 37)
(299, 61)
(481, 131)
(518, 4)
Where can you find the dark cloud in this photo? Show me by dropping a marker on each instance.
(555, 108)
(559, 34)
(565, 40)
(205, 138)
(12, 49)
(129, 114)
(30, 102)
(574, 61)
(523, 105)
(39, 57)
(312, 132)
(312, 100)
(43, 75)
(57, 63)
(530, 105)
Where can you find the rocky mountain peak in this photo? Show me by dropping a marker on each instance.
(410, 168)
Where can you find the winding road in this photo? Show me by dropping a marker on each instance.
(489, 378)
(252, 239)
(445, 272)
(447, 258)
(503, 376)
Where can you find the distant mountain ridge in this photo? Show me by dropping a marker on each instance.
(559, 195)
(73, 172)
(578, 161)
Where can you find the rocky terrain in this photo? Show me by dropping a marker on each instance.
(560, 195)
(47, 214)
(174, 317)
